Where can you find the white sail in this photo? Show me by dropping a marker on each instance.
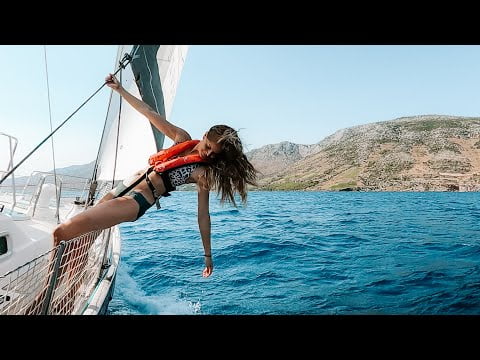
(128, 138)
(170, 61)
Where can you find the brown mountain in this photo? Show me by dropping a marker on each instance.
(420, 153)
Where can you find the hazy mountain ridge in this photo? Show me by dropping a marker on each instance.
(419, 153)
(83, 171)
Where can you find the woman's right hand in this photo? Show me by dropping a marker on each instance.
(208, 267)
(112, 82)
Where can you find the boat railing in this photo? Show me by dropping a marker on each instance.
(60, 281)
(68, 186)
(75, 186)
(12, 146)
(38, 192)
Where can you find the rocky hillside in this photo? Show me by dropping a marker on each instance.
(421, 153)
(276, 157)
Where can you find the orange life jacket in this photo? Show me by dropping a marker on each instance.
(165, 159)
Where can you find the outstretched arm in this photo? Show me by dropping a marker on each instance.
(205, 227)
(173, 132)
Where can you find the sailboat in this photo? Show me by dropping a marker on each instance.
(77, 277)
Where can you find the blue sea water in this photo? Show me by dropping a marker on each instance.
(315, 253)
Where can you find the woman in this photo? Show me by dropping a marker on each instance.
(221, 165)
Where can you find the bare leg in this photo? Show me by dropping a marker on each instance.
(106, 197)
(101, 216)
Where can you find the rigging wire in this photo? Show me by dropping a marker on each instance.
(118, 136)
(51, 129)
(93, 184)
(95, 168)
(123, 63)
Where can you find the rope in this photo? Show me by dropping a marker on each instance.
(126, 59)
(51, 128)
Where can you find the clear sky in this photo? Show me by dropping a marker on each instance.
(271, 93)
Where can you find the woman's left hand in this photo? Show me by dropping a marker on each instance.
(208, 267)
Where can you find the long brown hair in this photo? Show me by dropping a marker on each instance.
(230, 171)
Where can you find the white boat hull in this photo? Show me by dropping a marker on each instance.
(86, 275)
